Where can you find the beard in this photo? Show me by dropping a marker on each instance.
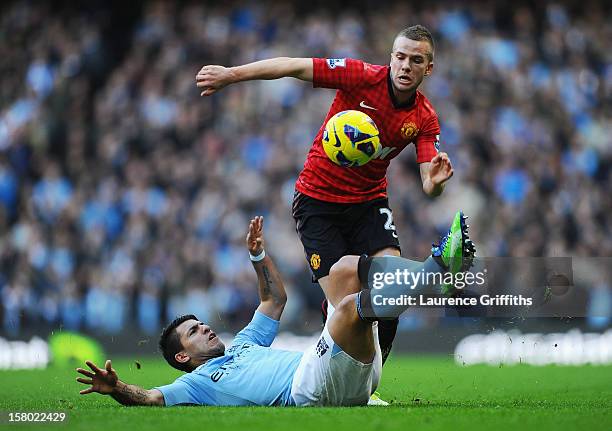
(219, 350)
(215, 351)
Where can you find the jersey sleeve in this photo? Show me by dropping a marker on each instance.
(261, 331)
(338, 73)
(178, 392)
(428, 140)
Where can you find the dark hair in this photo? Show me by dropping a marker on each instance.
(418, 32)
(170, 343)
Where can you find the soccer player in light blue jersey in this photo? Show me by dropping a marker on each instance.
(342, 369)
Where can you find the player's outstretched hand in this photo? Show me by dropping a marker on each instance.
(213, 78)
(254, 238)
(440, 169)
(102, 381)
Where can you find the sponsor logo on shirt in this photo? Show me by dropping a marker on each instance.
(383, 152)
(235, 352)
(216, 376)
(322, 347)
(332, 63)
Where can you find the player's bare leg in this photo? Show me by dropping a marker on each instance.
(343, 281)
(345, 326)
(324, 283)
(350, 332)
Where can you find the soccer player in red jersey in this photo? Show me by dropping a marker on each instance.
(338, 210)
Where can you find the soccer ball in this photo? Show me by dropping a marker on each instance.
(351, 139)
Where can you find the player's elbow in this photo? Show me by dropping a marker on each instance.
(301, 68)
(155, 398)
(273, 307)
(278, 300)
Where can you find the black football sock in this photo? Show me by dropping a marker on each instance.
(386, 334)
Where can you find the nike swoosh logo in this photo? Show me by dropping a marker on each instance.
(363, 105)
(338, 143)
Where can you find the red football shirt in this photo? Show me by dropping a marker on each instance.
(367, 88)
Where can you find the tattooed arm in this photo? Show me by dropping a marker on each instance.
(105, 381)
(132, 395)
(271, 290)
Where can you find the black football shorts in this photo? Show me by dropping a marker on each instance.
(331, 230)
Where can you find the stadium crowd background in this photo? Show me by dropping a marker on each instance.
(124, 196)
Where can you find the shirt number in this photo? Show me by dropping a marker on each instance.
(389, 223)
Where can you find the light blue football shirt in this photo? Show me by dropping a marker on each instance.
(250, 372)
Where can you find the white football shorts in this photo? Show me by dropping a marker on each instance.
(328, 376)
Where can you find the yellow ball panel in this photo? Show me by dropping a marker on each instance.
(351, 138)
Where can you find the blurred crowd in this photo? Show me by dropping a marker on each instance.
(125, 196)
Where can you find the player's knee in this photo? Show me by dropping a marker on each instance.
(348, 306)
(343, 275)
(345, 268)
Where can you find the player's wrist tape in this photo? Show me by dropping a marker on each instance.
(259, 257)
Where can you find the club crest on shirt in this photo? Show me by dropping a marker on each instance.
(315, 261)
(409, 130)
(322, 347)
(332, 63)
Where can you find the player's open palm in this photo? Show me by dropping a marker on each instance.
(212, 78)
(255, 239)
(102, 381)
(440, 169)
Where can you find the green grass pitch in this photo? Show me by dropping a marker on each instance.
(426, 393)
